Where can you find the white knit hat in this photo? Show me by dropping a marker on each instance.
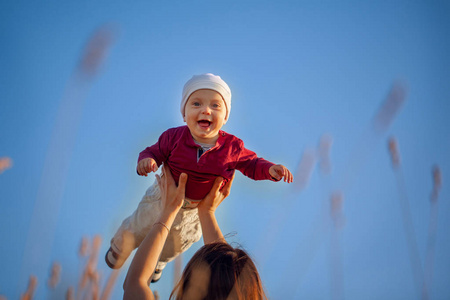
(206, 81)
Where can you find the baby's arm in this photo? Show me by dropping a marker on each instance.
(279, 172)
(258, 168)
(146, 166)
(155, 155)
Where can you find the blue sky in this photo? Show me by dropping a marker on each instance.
(297, 70)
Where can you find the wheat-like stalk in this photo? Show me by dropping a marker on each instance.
(5, 163)
(55, 275)
(32, 284)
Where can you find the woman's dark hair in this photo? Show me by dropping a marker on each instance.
(219, 271)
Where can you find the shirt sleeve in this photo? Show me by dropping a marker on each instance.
(252, 166)
(159, 151)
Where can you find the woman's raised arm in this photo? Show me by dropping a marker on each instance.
(207, 208)
(146, 257)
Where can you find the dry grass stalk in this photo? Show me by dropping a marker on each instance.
(390, 107)
(408, 226)
(323, 152)
(304, 169)
(92, 280)
(70, 294)
(437, 183)
(95, 286)
(55, 275)
(393, 151)
(432, 230)
(5, 163)
(96, 50)
(107, 290)
(84, 247)
(90, 273)
(97, 242)
(336, 203)
(32, 284)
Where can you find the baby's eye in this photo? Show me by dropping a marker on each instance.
(196, 103)
(215, 105)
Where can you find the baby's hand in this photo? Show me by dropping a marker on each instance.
(279, 172)
(146, 166)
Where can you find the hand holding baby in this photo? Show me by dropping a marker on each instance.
(146, 166)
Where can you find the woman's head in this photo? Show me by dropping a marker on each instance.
(219, 271)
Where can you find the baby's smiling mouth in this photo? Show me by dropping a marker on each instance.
(204, 123)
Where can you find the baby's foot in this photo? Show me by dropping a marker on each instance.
(112, 259)
(156, 275)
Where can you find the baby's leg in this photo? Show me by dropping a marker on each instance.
(185, 231)
(133, 229)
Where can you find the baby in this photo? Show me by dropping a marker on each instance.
(204, 152)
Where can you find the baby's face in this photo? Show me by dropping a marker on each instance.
(204, 115)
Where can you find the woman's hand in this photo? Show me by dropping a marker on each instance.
(215, 196)
(172, 197)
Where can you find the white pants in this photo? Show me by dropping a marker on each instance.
(185, 230)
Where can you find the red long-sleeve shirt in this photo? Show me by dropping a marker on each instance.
(177, 148)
